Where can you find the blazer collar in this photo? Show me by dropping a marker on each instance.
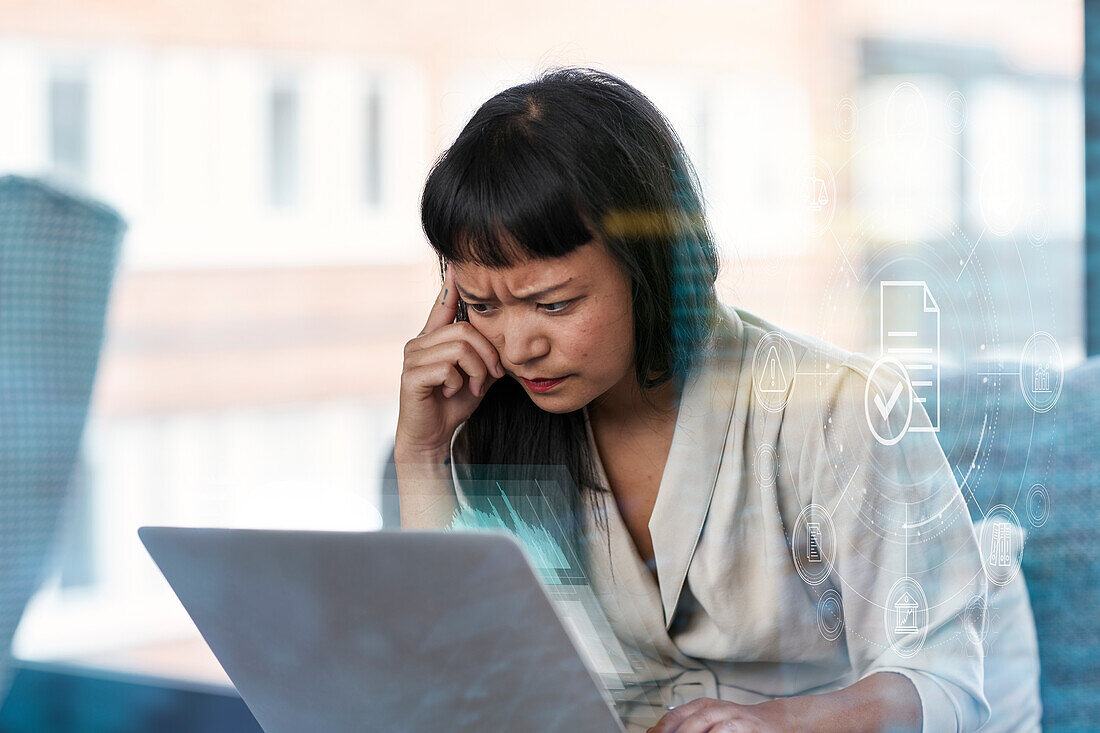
(695, 457)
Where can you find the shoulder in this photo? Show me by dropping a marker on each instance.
(751, 329)
(784, 368)
(819, 405)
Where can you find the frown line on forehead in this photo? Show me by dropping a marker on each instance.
(467, 295)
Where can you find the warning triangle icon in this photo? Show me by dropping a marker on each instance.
(773, 378)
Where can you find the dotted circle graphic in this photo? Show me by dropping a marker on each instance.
(976, 618)
(766, 464)
(1038, 505)
(846, 119)
(830, 615)
(956, 112)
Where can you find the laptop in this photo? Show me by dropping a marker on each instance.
(386, 631)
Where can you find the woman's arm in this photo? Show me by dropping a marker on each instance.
(879, 702)
(446, 372)
(425, 489)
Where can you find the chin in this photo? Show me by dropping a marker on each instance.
(555, 405)
(559, 401)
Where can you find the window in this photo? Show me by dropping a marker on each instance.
(372, 146)
(957, 151)
(67, 100)
(283, 144)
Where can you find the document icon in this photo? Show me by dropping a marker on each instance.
(910, 333)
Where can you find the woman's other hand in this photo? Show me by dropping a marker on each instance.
(447, 370)
(878, 702)
(706, 715)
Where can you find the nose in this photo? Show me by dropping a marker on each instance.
(525, 339)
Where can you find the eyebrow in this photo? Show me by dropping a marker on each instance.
(533, 296)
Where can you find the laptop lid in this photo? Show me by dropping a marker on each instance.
(390, 631)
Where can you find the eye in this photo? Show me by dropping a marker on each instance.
(477, 307)
(556, 307)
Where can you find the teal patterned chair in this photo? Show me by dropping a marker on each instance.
(57, 259)
(1060, 450)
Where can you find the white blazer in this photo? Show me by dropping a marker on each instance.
(796, 552)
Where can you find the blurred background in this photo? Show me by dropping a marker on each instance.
(268, 158)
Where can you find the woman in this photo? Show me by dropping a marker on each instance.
(578, 325)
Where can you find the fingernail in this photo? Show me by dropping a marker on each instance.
(498, 370)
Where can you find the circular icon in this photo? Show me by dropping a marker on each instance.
(956, 112)
(816, 187)
(1036, 226)
(906, 116)
(1002, 545)
(766, 464)
(976, 619)
(906, 617)
(813, 544)
(1000, 197)
(1041, 371)
(1038, 505)
(773, 371)
(846, 118)
(887, 399)
(830, 615)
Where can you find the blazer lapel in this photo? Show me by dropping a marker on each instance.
(695, 458)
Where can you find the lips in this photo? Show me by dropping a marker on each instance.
(542, 385)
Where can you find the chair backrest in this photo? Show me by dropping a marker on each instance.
(1057, 449)
(57, 259)
(1011, 654)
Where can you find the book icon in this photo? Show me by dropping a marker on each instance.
(1001, 554)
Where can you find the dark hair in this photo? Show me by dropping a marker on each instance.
(576, 156)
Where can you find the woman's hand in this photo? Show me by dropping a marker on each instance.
(880, 701)
(447, 370)
(706, 715)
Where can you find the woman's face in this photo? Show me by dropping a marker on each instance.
(567, 318)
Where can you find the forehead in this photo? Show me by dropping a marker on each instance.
(577, 268)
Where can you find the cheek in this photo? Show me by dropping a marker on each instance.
(585, 334)
(613, 325)
(601, 338)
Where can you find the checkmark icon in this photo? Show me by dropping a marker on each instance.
(884, 408)
(891, 372)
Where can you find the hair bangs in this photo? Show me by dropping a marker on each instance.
(503, 205)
